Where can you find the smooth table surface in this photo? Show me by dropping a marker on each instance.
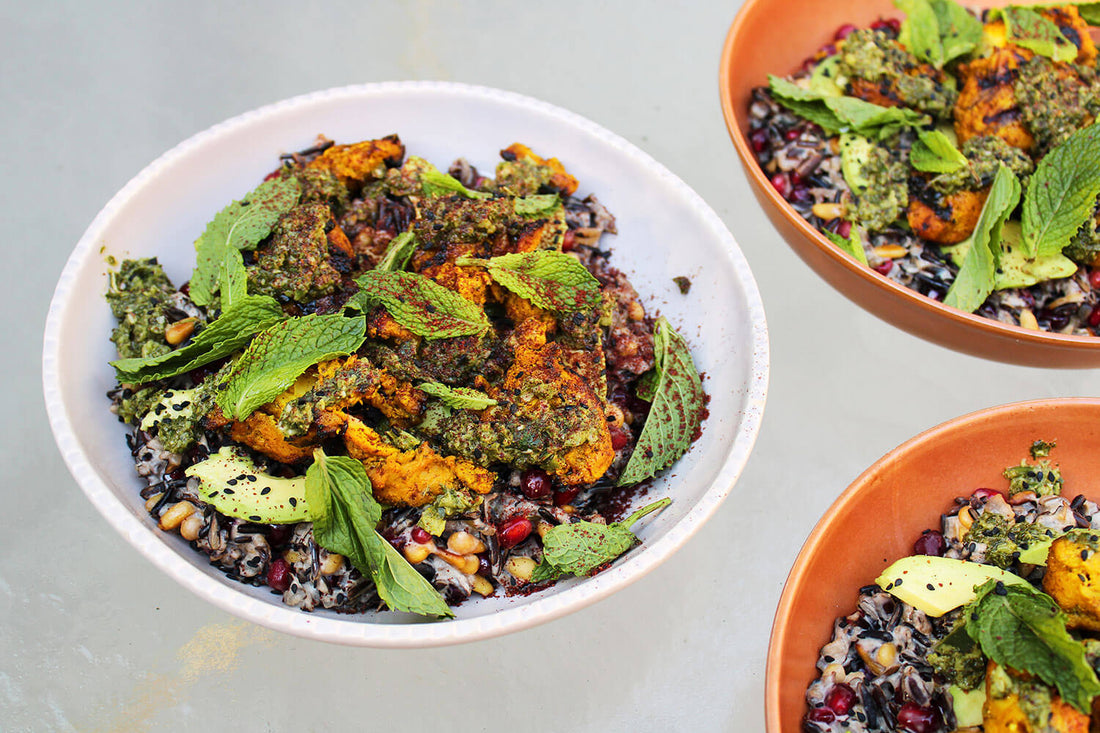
(93, 638)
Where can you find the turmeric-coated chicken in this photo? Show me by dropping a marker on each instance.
(1073, 577)
(359, 162)
(1006, 712)
(948, 219)
(987, 103)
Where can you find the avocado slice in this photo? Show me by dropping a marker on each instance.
(229, 480)
(1036, 552)
(967, 705)
(937, 585)
(855, 151)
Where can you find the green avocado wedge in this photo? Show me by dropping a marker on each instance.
(937, 585)
(229, 480)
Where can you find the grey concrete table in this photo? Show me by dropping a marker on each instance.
(94, 638)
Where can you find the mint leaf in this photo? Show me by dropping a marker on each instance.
(1090, 12)
(978, 271)
(920, 31)
(676, 411)
(345, 515)
(233, 280)
(398, 253)
(539, 205)
(1022, 628)
(421, 305)
(437, 183)
(581, 547)
(242, 225)
(551, 280)
(960, 31)
(229, 333)
(1025, 27)
(279, 355)
(459, 398)
(933, 152)
(853, 245)
(1062, 192)
(843, 114)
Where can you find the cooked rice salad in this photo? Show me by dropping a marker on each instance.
(389, 387)
(949, 638)
(955, 153)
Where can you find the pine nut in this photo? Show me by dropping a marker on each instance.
(332, 564)
(966, 518)
(172, 518)
(1028, 321)
(543, 527)
(152, 501)
(417, 553)
(177, 332)
(828, 211)
(482, 586)
(191, 527)
(890, 251)
(463, 563)
(464, 543)
(520, 566)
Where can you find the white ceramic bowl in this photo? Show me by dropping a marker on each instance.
(665, 230)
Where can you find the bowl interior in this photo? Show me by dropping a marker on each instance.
(775, 37)
(163, 210)
(877, 519)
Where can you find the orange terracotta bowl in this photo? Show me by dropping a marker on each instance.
(774, 37)
(878, 518)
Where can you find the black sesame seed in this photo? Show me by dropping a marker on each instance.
(255, 517)
(1084, 554)
(1000, 589)
(232, 482)
(293, 501)
(897, 582)
(228, 491)
(929, 586)
(265, 491)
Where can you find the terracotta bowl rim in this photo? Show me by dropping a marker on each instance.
(853, 495)
(931, 307)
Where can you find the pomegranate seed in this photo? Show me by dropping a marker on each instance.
(279, 534)
(759, 140)
(930, 543)
(186, 288)
(569, 241)
(843, 32)
(1094, 278)
(884, 268)
(1094, 317)
(535, 483)
(809, 64)
(781, 184)
(619, 438)
(565, 496)
(484, 568)
(514, 531)
(895, 25)
(821, 715)
(828, 49)
(421, 536)
(273, 174)
(840, 699)
(792, 134)
(844, 228)
(984, 493)
(796, 178)
(917, 719)
(278, 575)
(801, 195)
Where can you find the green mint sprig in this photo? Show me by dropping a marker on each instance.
(551, 280)
(938, 31)
(421, 305)
(1023, 628)
(459, 398)
(437, 183)
(241, 225)
(278, 356)
(1027, 28)
(398, 253)
(1062, 193)
(581, 547)
(978, 272)
(537, 205)
(844, 114)
(345, 515)
(933, 152)
(676, 411)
